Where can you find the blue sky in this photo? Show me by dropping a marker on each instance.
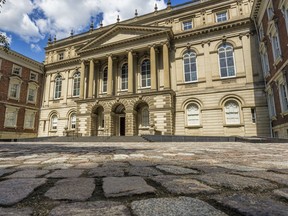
(28, 23)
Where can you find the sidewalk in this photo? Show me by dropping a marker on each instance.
(143, 179)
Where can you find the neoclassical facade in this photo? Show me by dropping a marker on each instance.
(192, 69)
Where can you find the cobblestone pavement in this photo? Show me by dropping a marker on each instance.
(144, 179)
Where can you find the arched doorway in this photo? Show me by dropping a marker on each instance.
(142, 118)
(119, 120)
(97, 124)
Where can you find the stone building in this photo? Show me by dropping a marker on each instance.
(271, 19)
(20, 95)
(192, 69)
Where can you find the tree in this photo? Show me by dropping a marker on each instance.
(3, 39)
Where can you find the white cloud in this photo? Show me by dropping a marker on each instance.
(35, 48)
(33, 19)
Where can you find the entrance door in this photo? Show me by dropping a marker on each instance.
(122, 126)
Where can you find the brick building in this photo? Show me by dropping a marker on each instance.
(20, 95)
(271, 19)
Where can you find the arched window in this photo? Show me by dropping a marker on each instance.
(232, 112)
(145, 73)
(58, 87)
(190, 68)
(104, 80)
(73, 121)
(145, 117)
(192, 112)
(226, 60)
(54, 122)
(124, 77)
(76, 84)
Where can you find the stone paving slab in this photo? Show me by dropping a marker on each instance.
(140, 163)
(283, 193)
(5, 171)
(143, 171)
(66, 173)
(176, 170)
(235, 182)
(182, 185)
(125, 186)
(183, 206)
(253, 205)
(58, 166)
(106, 171)
(15, 212)
(241, 168)
(76, 189)
(15, 190)
(89, 165)
(99, 208)
(28, 173)
(271, 176)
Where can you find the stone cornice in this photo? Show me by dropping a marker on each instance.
(213, 28)
(63, 63)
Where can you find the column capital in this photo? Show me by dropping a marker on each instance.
(129, 50)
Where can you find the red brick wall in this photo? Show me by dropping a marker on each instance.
(283, 37)
(6, 70)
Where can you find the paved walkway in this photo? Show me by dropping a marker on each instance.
(143, 179)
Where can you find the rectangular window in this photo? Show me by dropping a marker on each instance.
(29, 120)
(14, 91)
(265, 63)
(222, 16)
(104, 83)
(11, 117)
(271, 105)
(187, 25)
(31, 95)
(261, 32)
(16, 70)
(60, 56)
(276, 46)
(33, 76)
(284, 97)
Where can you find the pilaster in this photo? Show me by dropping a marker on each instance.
(82, 80)
(91, 79)
(153, 68)
(166, 66)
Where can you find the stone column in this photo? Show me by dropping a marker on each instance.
(91, 79)
(166, 66)
(107, 123)
(110, 75)
(47, 89)
(130, 123)
(130, 72)
(153, 68)
(115, 76)
(82, 80)
(97, 78)
(65, 92)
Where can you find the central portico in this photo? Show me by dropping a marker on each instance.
(122, 91)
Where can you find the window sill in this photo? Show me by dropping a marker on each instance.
(233, 125)
(12, 127)
(144, 128)
(285, 113)
(191, 83)
(277, 60)
(53, 131)
(31, 102)
(194, 126)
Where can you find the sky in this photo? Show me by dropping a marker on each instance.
(28, 23)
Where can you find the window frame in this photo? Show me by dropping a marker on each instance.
(57, 87)
(147, 71)
(54, 122)
(124, 79)
(31, 113)
(190, 72)
(221, 18)
(14, 67)
(187, 27)
(228, 121)
(14, 81)
(14, 111)
(283, 92)
(226, 61)
(60, 56)
(76, 85)
(270, 10)
(190, 120)
(104, 83)
(35, 74)
(72, 121)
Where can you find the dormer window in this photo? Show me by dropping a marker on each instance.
(16, 70)
(33, 76)
(187, 25)
(221, 16)
(61, 56)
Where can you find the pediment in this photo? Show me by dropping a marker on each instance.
(123, 33)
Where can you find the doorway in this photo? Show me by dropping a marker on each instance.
(122, 126)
